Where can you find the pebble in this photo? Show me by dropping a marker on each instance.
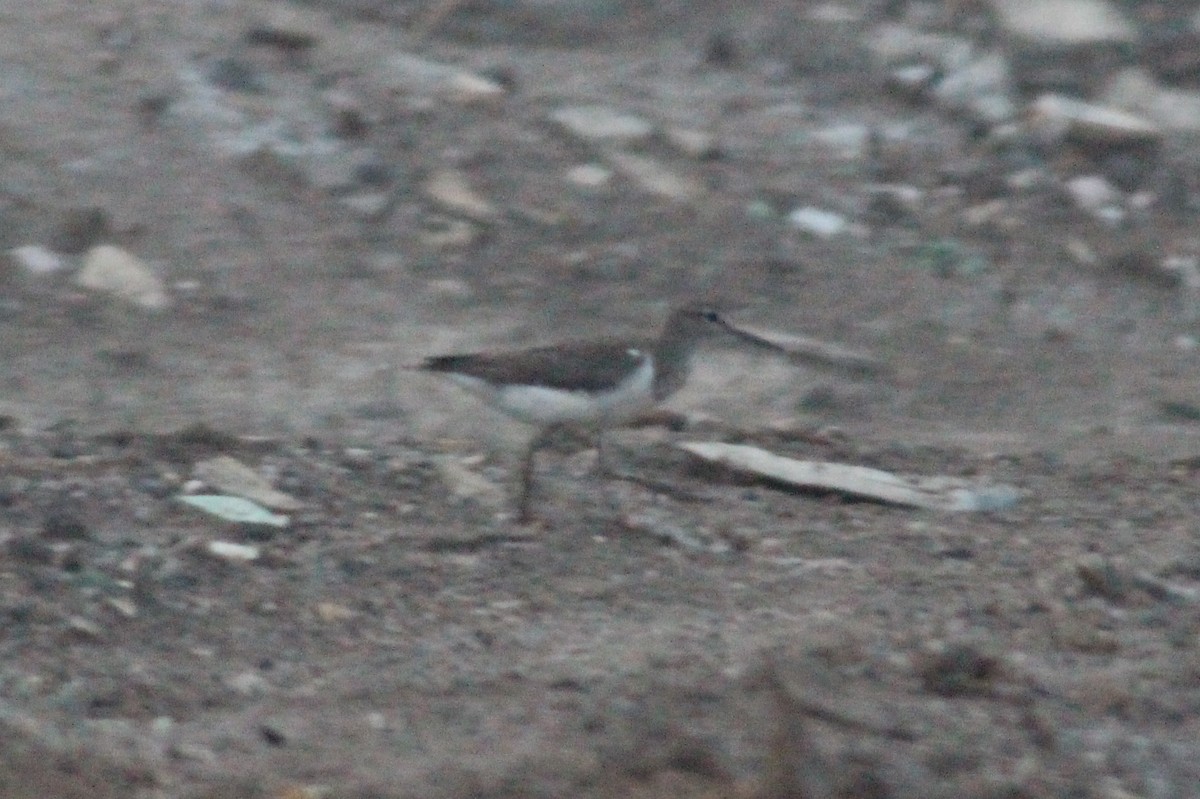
(694, 143)
(817, 222)
(602, 125)
(589, 176)
(372, 205)
(1138, 91)
(228, 550)
(468, 485)
(895, 45)
(982, 88)
(1065, 22)
(248, 683)
(450, 189)
(1055, 117)
(412, 74)
(1094, 194)
(36, 260)
(656, 178)
(444, 232)
(849, 140)
(234, 477)
(118, 272)
(913, 79)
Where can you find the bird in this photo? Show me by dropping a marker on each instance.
(593, 384)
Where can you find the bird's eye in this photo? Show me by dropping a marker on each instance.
(711, 316)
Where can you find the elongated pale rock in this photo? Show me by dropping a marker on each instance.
(933, 493)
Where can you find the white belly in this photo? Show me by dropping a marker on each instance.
(539, 405)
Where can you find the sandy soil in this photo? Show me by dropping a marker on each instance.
(711, 636)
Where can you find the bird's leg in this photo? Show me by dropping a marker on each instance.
(606, 475)
(527, 469)
(601, 461)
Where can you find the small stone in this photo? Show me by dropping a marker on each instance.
(760, 210)
(1065, 22)
(1094, 194)
(469, 88)
(656, 178)
(85, 628)
(1055, 117)
(450, 189)
(36, 260)
(589, 176)
(227, 550)
(694, 143)
(896, 44)
(817, 222)
(331, 612)
(122, 605)
(115, 271)
(1137, 91)
(982, 88)
(444, 232)
(466, 484)
(414, 75)
(248, 683)
(914, 79)
(234, 477)
(449, 287)
(602, 125)
(368, 205)
(849, 140)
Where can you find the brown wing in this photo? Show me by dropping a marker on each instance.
(586, 366)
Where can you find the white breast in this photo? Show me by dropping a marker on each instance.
(542, 406)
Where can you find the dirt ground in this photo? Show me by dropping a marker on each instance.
(687, 632)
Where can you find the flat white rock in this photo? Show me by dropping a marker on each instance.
(234, 477)
(118, 272)
(1065, 21)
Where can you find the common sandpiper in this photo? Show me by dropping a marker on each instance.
(596, 384)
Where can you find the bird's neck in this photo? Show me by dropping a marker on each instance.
(672, 360)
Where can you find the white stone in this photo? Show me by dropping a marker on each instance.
(120, 273)
(590, 176)
(450, 189)
(597, 123)
(656, 178)
(1053, 117)
(820, 223)
(228, 550)
(982, 87)
(230, 475)
(1173, 109)
(850, 140)
(694, 143)
(1058, 22)
(1093, 193)
(412, 74)
(34, 259)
